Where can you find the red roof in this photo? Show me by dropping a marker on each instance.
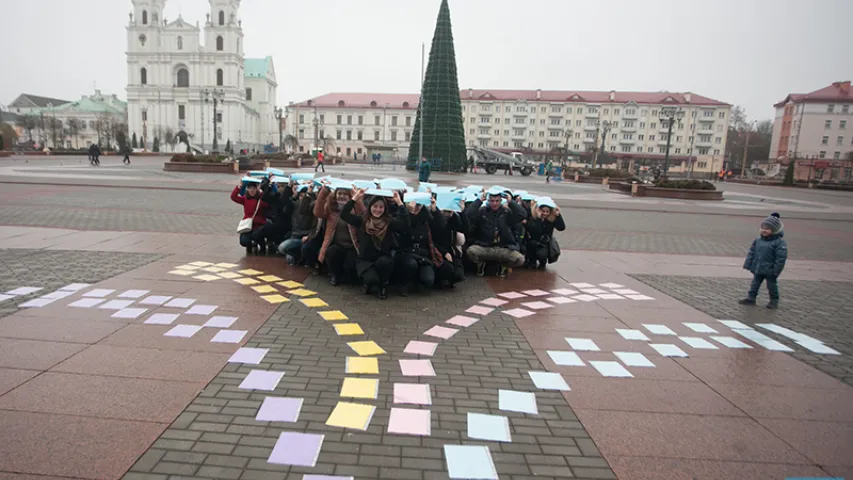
(410, 100)
(838, 92)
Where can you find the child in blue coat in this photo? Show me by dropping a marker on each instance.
(766, 260)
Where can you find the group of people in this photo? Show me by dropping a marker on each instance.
(373, 233)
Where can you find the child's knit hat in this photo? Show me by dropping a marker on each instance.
(773, 222)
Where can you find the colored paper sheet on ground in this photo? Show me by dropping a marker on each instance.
(565, 359)
(610, 296)
(274, 299)
(229, 275)
(129, 313)
(75, 287)
(519, 312)
(325, 477)
(470, 461)
(441, 332)
(201, 264)
(366, 348)
(250, 271)
(409, 421)
(560, 300)
(261, 380)
(512, 295)
(699, 342)
(86, 302)
(37, 302)
(279, 409)
(494, 428)
(344, 329)
(180, 302)
(535, 293)
(57, 295)
(537, 305)
(289, 284)
(264, 289)
(302, 292)
(478, 310)
(639, 297)
(246, 281)
(412, 393)
(162, 319)
(610, 369)
(297, 449)
(462, 321)
(416, 347)
(630, 334)
(417, 368)
(763, 340)
(582, 344)
(611, 285)
(206, 278)
(313, 302)
(735, 325)
(248, 355)
(360, 388)
(594, 291)
(98, 293)
(549, 381)
(155, 300)
(187, 267)
(493, 302)
(668, 350)
(362, 365)
(585, 297)
(220, 322)
(634, 359)
(565, 291)
(582, 285)
(185, 331)
(226, 265)
(134, 294)
(201, 309)
(269, 278)
(214, 269)
(515, 401)
(699, 327)
(351, 415)
(333, 315)
(659, 329)
(229, 336)
(625, 291)
(731, 342)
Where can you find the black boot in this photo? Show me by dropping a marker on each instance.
(774, 304)
(333, 279)
(367, 288)
(404, 290)
(747, 301)
(249, 250)
(383, 293)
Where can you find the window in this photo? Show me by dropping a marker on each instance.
(824, 140)
(554, 133)
(301, 133)
(533, 121)
(145, 17)
(218, 118)
(614, 136)
(408, 121)
(394, 121)
(615, 111)
(220, 44)
(845, 108)
(497, 132)
(180, 43)
(506, 132)
(349, 119)
(542, 121)
(393, 135)
(678, 138)
(642, 124)
(519, 120)
(627, 124)
(361, 120)
(144, 117)
(322, 134)
(722, 115)
(829, 109)
(615, 124)
(577, 123)
(408, 136)
(836, 156)
(577, 134)
(471, 131)
(359, 135)
(182, 112)
(220, 77)
(827, 124)
(703, 150)
(677, 150)
(627, 136)
(639, 149)
(521, 109)
(221, 17)
(322, 118)
(338, 135)
(517, 144)
(654, 113)
(641, 137)
(249, 94)
(555, 109)
(349, 134)
(497, 108)
(339, 120)
(183, 78)
(839, 141)
(708, 113)
(376, 119)
(626, 148)
(590, 135)
(302, 118)
(506, 120)
(376, 135)
(719, 128)
(822, 154)
(842, 124)
(143, 76)
(541, 134)
(580, 110)
(569, 110)
(651, 138)
(653, 125)
(556, 121)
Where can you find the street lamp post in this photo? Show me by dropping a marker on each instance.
(217, 95)
(567, 134)
(668, 116)
(605, 129)
(277, 112)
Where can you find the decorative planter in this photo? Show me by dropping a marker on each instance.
(642, 190)
(599, 180)
(199, 167)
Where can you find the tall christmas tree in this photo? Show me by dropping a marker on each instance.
(440, 109)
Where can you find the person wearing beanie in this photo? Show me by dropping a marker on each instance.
(766, 260)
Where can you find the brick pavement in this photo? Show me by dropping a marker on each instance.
(817, 308)
(218, 437)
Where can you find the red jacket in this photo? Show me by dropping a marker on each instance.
(249, 205)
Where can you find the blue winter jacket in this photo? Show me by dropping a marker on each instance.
(767, 256)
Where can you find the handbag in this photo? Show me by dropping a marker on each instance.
(553, 250)
(245, 225)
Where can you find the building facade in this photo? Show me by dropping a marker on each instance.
(175, 82)
(26, 103)
(534, 122)
(92, 119)
(816, 125)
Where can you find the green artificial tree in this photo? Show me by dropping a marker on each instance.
(440, 109)
(789, 174)
(228, 146)
(156, 146)
(133, 142)
(1, 143)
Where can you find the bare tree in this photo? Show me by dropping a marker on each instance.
(75, 126)
(28, 123)
(737, 118)
(764, 127)
(169, 136)
(328, 145)
(104, 126)
(118, 129)
(291, 142)
(54, 126)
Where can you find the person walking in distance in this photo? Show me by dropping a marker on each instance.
(320, 158)
(126, 151)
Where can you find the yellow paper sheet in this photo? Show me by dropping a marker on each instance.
(313, 302)
(360, 388)
(229, 275)
(269, 278)
(183, 273)
(275, 299)
(366, 348)
(207, 278)
(333, 315)
(214, 269)
(200, 264)
(369, 365)
(290, 284)
(246, 281)
(187, 267)
(226, 265)
(265, 289)
(348, 329)
(302, 292)
(351, 415)
(250, 271)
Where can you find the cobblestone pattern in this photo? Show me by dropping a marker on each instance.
(53, 269)
(217, 436)
(819, 309)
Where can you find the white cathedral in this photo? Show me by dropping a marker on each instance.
(175, 81)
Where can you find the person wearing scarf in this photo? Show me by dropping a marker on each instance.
(540, 228)
(417, 256)
(376, 229)
(340, 243)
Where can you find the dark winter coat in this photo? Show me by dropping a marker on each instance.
(495, 228)
(369, 251)
(444, 236)
(767, 256)
(541, 230)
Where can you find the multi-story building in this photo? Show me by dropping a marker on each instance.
(177, 83)
(816, 125)
(26, 103)
(627, 125)
(92, 119)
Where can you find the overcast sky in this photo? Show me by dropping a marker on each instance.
(747, 52)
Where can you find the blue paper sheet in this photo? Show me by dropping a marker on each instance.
(448, 201)
(470, 462)
(392, 184)
(420, 198)
(424, 186)
(297, 177)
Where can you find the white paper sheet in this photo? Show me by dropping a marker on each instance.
(185, 331)
(698, 342)
(98, 293)
(565, 291)
(565, 359)
(57, 295)
(252, 356)
(162, 318)
(261, 380)
(629, 334)
(133, 293)
(519, 312)
(639, 297)
(229, 336)
(610, 369)
(86, 302)
(586, 298)
(201, 309)
(37, 302)
(560, 300)
(699, 327)
(220, 322)
(658, 329)
(735, 325)
(668, 350)
(4, 297)
(537, 305)
(23, 291)
(155, 300)
(582, 344)
(785, 332)
(731, 342)
(129, 313)
(75, 287)
(818, 347)
(611, 285)
(593, 291)
(582, 285)
(549, 381)
(115, 304)
(180, 302)
(634, 359)
(763, 340)
(610, 296)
